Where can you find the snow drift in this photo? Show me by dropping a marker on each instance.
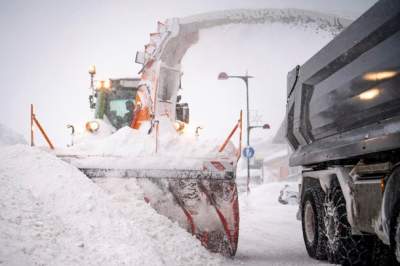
(9, 137)
(52, 214)
(130, 148)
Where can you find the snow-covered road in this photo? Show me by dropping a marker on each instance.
(269, 231)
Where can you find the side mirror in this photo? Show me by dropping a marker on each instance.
(182, 112)
(92, 104)
(140, 58)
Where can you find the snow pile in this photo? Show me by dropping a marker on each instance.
(106, 130)
(52, 214)
(9, 137)
(128, 148)
(130, 142)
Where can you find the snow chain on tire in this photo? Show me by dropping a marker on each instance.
(395, 224)
(396, 238)
(313, 197)
(342, 246)
(382, 255)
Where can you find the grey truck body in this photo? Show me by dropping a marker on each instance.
(343, 118)
(327, 119)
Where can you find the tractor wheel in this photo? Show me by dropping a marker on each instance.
(312, 218)
(343, 247)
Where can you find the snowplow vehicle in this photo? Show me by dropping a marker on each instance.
(343, 123)
(140, 127)
(201, 197)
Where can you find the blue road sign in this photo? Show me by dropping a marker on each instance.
(248, 152)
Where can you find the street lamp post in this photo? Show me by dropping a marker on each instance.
(265, 126)
(224, 76)
(92, 72)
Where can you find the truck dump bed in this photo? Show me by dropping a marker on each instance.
(344, 102)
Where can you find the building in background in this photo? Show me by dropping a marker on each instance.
(274, 154)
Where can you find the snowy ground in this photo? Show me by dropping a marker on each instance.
(51, 214)
(269, 231)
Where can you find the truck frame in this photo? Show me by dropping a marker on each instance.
(343, 124)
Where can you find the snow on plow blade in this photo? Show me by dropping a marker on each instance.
(204, 202)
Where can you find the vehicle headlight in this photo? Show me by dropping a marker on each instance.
(179, 126)
(92, 126)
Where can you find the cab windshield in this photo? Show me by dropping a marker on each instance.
(120, 112)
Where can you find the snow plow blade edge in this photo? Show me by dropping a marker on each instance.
(203, 202)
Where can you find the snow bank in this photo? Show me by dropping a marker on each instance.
(128, 148)
(9, 137)
(106, 130)
(52, 214)
(131, 142)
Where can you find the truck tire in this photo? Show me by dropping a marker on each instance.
(343, 247)
(382, 254)
(312, 220)
(393, 211)
(396, 238)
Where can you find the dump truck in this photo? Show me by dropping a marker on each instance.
(343, 124)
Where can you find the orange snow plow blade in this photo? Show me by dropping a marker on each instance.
(203, 199)
(204, 202)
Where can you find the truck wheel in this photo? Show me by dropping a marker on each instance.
(343, 247)
(396, 237)
(312, 214)
(395, 218)
(382, 255)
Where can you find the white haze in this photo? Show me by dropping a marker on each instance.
(266, 51)
(46, 47)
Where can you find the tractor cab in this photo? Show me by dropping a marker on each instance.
(115, 102)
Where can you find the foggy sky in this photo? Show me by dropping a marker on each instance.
(47, 46)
